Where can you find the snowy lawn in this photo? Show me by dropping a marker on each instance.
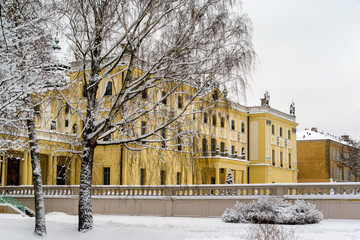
(64, 227)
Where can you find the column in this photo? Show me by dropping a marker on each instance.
(236, 177)
(2, 169)
(54, 170)
(49, 170)
(23, 169)
(29, 169)
(217, 175)
(72, 173)
(78, 169)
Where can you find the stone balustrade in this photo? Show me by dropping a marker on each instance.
(275, 189)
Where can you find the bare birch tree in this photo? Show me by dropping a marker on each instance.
(157, 47)
(27, 74)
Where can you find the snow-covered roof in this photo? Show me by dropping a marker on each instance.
(314, 134)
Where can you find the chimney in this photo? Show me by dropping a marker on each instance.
(345, 138)
(262, 101)
(314, 129)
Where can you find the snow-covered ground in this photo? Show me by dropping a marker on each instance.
(64, 227)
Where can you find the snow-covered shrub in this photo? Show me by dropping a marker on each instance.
(273, 210)
(269, 232)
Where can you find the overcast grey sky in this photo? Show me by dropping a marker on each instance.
(309, 51)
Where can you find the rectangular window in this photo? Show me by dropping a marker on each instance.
(336, 154)
(290, 160)
(142, 176)
(336, 173)
(272, 129)
(66, 123)
(74, 128)
(289, 134)
(37, 109)
(222, 122)
(232, 125)
(53, 125)
(180, 102)
(84, 92)
(179, 143)
(144, 94)
(162, 177)
(205, 117)
(143, 127)
(232, 150)
(281, 133)
(163, 135)
(222, 148)
(164, 101)
(281, 159)
(108, 91)
(106, 176)
(61, 174)
(214, 120)
(204, 147)
(178, 178)
(67, 108)
(273, 157)
(242, 127)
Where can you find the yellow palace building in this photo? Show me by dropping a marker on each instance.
(258, 145)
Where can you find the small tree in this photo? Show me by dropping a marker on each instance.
(27, 74)
(229, 177)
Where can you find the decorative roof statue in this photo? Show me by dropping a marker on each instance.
(292, 108)
(266, 98)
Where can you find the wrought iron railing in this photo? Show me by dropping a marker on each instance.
(12, 201)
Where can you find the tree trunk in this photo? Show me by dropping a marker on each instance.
(40, 223)
(85, 202)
